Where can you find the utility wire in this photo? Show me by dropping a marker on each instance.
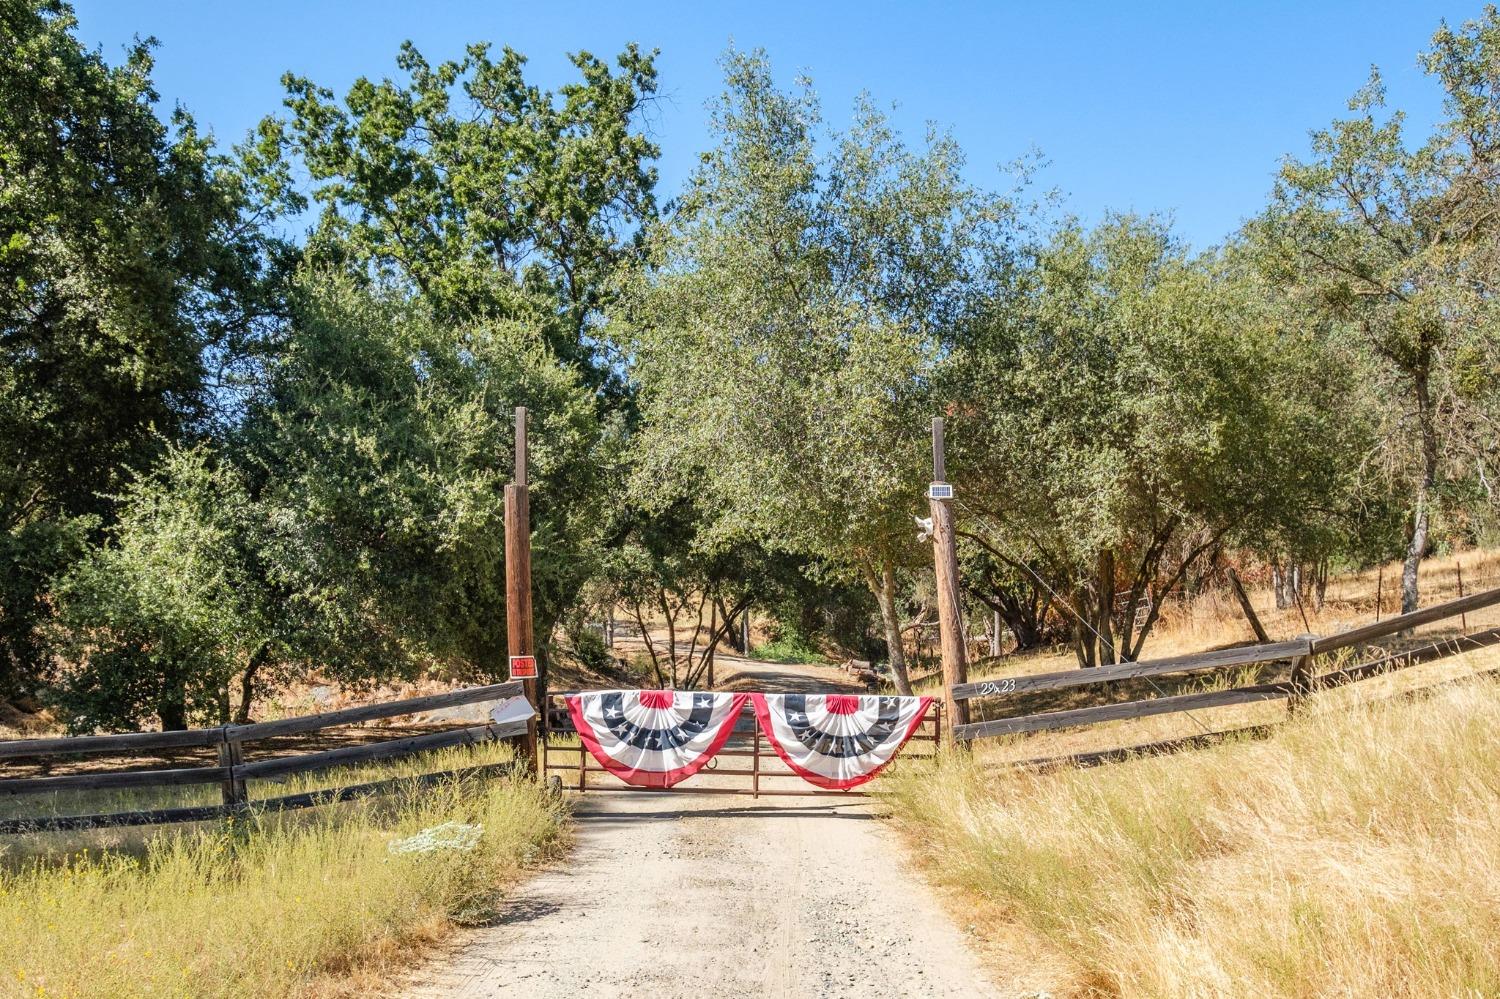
(984, 518)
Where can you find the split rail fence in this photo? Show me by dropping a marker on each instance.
(1299, 653)
(233, 771)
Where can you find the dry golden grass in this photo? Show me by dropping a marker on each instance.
(306, 903)
(1353, 853)
(1214, 620)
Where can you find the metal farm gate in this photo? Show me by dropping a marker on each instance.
(747, 754)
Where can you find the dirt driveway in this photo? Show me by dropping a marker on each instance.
(673, 895)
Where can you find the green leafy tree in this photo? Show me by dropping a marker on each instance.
(662, 570)
(491, 198)
(159, 621)
(352, 527)
(130, 255)
(1390, 246)
(671, 565)
(798, 301)
(384, 441)
(1125, 413)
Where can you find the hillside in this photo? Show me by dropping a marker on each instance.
(1353, 853)
(1213, 620)
(1348, 851)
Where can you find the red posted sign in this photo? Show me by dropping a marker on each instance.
(523, 667)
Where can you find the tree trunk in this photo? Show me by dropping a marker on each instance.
(1105, 584)
(172, 709)
(247, 686)
(1083, 639)
(713, 637)
(640, 622)
(1416, 550)
(884, 588)
(732, 635)
(1024, 616)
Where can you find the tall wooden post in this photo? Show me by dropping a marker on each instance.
(950, 611)
(518, 636)
(1301, 679)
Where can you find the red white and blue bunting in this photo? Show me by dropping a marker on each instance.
(654, 738)
(838, 741)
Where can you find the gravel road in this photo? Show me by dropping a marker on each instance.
(670, 895)
(677, 894)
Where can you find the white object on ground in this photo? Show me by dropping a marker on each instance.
(448, 836)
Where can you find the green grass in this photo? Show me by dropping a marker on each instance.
(788, 648)
(275, 905)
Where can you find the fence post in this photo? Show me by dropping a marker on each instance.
(518, 634)
(755, 766)
(231, 758)
(1300, 679)
(1245, 605)
(950, 611)
(1463, 619)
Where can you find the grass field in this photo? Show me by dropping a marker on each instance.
(305, 903)
(1353, 853)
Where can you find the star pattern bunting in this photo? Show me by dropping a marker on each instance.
(658, 738)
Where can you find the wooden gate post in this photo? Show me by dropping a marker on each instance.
(950, 611)
(1301, 679)
(1463, 619)
(518, 635)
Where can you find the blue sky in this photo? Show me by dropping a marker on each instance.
(1181, 107)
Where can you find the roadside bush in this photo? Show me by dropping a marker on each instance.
(788, 645)
(587, 647)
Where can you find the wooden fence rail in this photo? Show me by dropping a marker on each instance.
(232, 771)
(1299, 652)
(209, 813)
(1402, 622)
(1118, 712)
(1198, 662)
